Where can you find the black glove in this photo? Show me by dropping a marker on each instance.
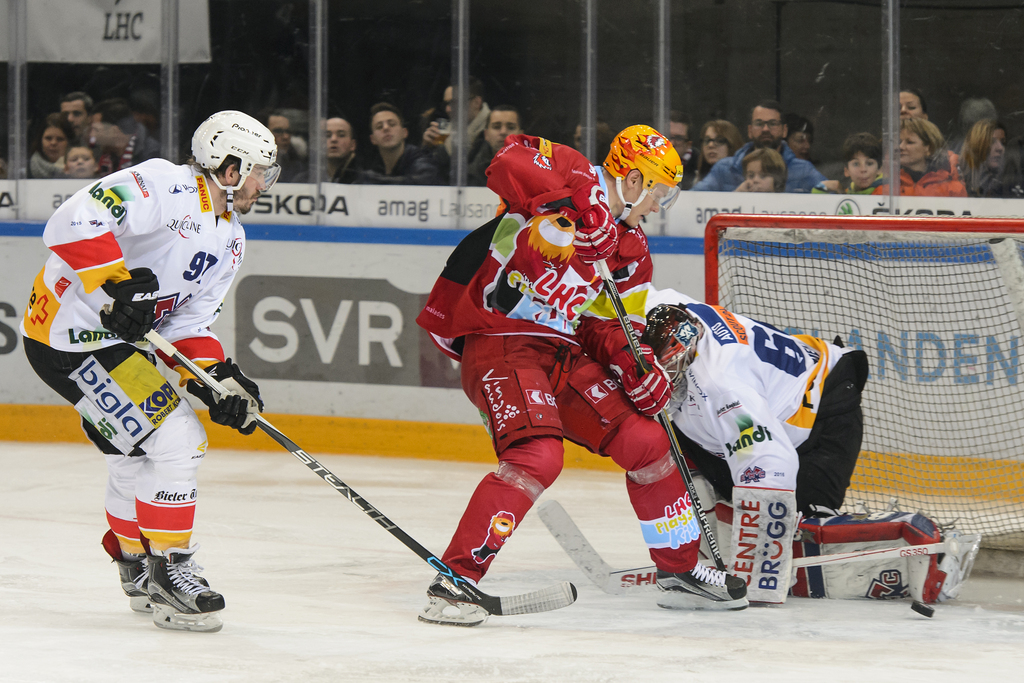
(235, 409)
(133, 312)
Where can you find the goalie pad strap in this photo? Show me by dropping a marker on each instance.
(764, 523)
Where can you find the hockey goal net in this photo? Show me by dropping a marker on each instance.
(938, 305)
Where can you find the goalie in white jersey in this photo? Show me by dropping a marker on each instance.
(772, 420)
(155, 246)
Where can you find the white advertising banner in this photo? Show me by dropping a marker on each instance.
(108, 31)
(442, 207)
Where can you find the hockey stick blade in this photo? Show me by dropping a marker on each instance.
(553, 597)
(619, 581)
(579, 550)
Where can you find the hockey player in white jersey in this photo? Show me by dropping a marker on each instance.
(155, 246)
(772, 420)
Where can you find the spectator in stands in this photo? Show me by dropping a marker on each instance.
(288, 157)
(986, 168)
(972, 110)
(718, 139)
(603, 136)
(763, 171)
(862, 157)
(47, 160)
(926, 168)
(679, 135)
(799, 136)
(502, 122)
(441, 142)
(913, 105)
(395, 162)
(342, 162)
(117, 139)
(766, 130)
(78, 106)
(79, 162)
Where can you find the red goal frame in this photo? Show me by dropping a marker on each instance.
(720, 222)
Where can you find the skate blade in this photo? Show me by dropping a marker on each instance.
(140, 604)
(202, 622)
(689, 601)
(441, 611)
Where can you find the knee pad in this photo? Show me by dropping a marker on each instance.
(180, 442)
(532, 465)
(656, 471)
(638, 443)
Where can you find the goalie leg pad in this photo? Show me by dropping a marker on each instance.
(764, 523)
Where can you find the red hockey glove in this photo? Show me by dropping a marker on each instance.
(596, 235)
(649, 393)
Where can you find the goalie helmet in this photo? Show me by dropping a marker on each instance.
(672, 333)
(646, 150)
(232, 133)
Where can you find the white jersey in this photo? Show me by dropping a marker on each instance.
(156, 215)
(752, 393)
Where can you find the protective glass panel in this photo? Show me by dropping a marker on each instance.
(973, 107)
(392, 58)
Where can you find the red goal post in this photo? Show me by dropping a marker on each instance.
(938, 305)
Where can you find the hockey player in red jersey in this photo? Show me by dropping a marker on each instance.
(520, 304)
(155, 246)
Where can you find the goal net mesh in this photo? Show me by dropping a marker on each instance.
(940, 316)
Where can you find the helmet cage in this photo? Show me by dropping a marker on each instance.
(672, 332)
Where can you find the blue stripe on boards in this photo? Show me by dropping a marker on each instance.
(420, 236)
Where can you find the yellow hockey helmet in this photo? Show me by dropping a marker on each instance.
(642, 148)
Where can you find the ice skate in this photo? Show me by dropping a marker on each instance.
(181, 599)
(449, 606)
(134, 574)
(701, 588)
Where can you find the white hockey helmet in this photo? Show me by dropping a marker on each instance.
(232, 133)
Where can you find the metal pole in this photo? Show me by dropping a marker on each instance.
(662, 87)
(169, 90)
(317, 99)
(891, 99)
(17, 92)
(460, 79)
(588, 107)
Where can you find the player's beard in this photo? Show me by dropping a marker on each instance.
(243, 201)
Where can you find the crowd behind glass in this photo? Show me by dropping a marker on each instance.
(772, 151)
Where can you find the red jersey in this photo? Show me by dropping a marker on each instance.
(519, 273)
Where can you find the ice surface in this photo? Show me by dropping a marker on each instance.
(316, 591)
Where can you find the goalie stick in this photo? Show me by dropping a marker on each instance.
(619, 581)
(553, 597)
(663, 417)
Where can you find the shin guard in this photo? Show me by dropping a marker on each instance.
(764, 523)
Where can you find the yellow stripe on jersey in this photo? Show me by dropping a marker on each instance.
(41, 310)
(94, 278)
(545, 147)
(634, 302)
(808, 410)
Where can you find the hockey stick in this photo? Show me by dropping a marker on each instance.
(619, 581)
(663, 416)
(553, 597)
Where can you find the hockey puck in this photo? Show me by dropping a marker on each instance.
(923, 609)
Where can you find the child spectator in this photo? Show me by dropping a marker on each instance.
(926, 168)
(799, 136)
(862, 159)
(764, 170)
(80, 162)
(47, 160)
